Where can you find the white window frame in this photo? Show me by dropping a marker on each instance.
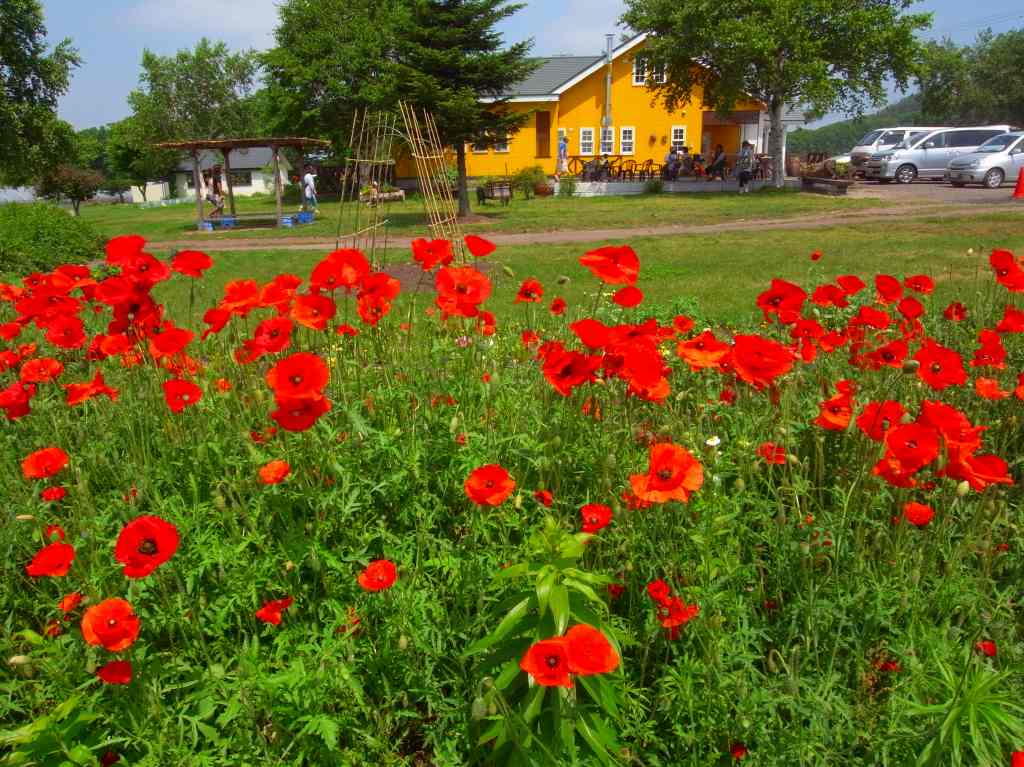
(592, 142)
(501, 144)
(477, 149)
(610, 134)
(623, 143)
(672, 138)
(640, 73)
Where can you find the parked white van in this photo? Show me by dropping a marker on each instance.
(882, 139)
(927, 156)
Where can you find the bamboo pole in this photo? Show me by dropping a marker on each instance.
(277, 184)
(197, 181)
(227, 177)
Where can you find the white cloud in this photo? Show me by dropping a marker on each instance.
(578, 26)
(238, 22)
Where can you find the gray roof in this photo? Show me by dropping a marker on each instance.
(552, 72)
(241, 159)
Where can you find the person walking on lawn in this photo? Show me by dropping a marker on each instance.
(745, 166)
(309, 191)
(562, 165)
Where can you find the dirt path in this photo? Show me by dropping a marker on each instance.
(895, 213)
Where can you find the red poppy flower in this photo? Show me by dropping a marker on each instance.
(1019, 391)
(1012, 321)
(180, 394)
(979, 471)
(589, 651)
(851, 284)
(145, 270)
(191, 263)
(52, 561)
(596, 516)
(920, 283)
(278, 293)
(910, 307)
(340, 269)
(628, 297)
(379, 575)
(988, 388)
(271, 611)
(240, 297)
(939, 367)
(565, 370)
(889, 289)
(1017, 759)
(70, 602)
(659, 591)
(1008, 271)
(771, 453)
(737, 751)
(44, 463)
(489, 485)
(530, 292)
(78, 393)
(829, 295)
(112, 623)
(987, 648)
(116, 672)
(613, 265)
(144, 544)
(478, 246)
(816, 255)
(558, 306)
(878, 417)
(547, 662)
(836, 413)
(783, 299)
(529, 338)
(991, 353)
(274, 472)
(673, 473)
(121, 249)
(704, 351)
(430, 253)
(543, 497)
(874, 318)
(66, 331)
(298, 376)
(461, 290)
(955, 312)
(891, 355)
(217, 319)
(346, 330)
(682, 324)
(759, 361)
(313, 311)
(40, 370)
(675, 613)
(918, 514)
(300, 414)
(52, 494)
(914, 445)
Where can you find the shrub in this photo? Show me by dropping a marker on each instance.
(39, 236)
(654, 186)
(526, 179)
(566, 187)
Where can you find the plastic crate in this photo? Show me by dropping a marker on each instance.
(287, 221)
(305, 217)
(206, 226)
(228, 221)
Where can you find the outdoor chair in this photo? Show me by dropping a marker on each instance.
(576, 167)
(627, 170)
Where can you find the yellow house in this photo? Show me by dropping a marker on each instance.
(570, 95)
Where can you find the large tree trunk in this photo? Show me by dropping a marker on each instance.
(777, 140)
(460, 153)
(74, 206)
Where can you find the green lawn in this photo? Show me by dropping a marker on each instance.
(536, 215)
(716, 276)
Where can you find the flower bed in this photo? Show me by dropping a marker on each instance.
(341, 522)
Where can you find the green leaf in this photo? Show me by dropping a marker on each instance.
(559, 602)
(532, 710)
(508, 623)
(600, 691)
(544, 591)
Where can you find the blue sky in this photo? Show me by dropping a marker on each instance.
(111, 35)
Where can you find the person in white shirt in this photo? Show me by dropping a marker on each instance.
(309, 190)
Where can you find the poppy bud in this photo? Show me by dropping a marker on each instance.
(740, 485)
(19, 660)
(910, 366)
(492, 709)
(556, 442)
(609, 461)
(792, 460)
(218, 502)
(970, 251)
(403, 642)
(24, 517)
(563, 280)
(517, 502)
(289, 566)
(963, 488)
(508, 271)
(479, 709)
(487, 682)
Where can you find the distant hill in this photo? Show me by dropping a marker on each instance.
(841, 136)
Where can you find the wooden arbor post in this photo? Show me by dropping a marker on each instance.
(227, 177)
(197, 182)
(277, 183)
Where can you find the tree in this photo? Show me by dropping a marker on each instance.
(826, 54)
(978, 84)
(204, 93)
(451, 57)
(133, 161)
(31, 82)
(68, 182)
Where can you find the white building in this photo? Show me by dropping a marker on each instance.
(251, 172)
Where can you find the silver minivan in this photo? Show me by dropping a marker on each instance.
(998, 160)
(881, 139)
(927, 156)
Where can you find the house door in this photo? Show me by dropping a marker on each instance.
(543, 134)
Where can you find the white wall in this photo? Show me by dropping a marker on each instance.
(155, 191)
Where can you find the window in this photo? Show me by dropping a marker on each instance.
(241, 178)
(501, 142)
(627, 139)
(607, 140)
(587, 141)
(890, 137)
(480, 148)
(971, 138)
(938, 141)
(678, 137)
(640, 74)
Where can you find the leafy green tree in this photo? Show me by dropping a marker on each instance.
(980, 83)
(205, 93)
(31, 82)
(825, 54)
(841, 136)
(76, 185)
(132, 159)
(451, 56)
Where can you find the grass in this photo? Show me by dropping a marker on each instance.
(535, 215)
(712, 275)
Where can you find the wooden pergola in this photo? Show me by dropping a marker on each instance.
(225, 147)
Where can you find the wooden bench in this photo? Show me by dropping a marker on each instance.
(495, 190)
(836, 186)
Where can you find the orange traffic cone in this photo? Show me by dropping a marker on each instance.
(1018, 193)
